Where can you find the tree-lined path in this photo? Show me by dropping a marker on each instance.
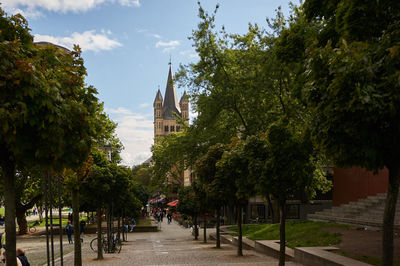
(173, 245)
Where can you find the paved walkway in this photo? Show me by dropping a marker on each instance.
(173, 245)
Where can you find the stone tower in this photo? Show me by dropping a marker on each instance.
(164, 109)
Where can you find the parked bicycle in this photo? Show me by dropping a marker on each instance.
(115, 245)
(32, 227)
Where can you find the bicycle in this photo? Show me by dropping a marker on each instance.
(32, 228)
(115, 247)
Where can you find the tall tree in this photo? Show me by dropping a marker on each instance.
(233, 165)
(214, 185)
(48, 116)
(287, 164)
(353, 91)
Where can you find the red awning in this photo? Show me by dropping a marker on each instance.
(173, 203)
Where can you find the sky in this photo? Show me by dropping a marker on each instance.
(127, 45)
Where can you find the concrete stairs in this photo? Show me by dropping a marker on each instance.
(363, 212)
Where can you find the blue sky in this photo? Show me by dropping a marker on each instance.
(127, 45)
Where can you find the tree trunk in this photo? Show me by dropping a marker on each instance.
(21, 210)
(205, 230)
(282, 239)
(99, 242)
(77, 237)
(218, 227)
(9, 202)
(21, 220)
(389, 215)
(239, 222)
(119, 228)
(196, 230)
(108, 219)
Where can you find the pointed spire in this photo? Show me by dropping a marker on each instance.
(158, 96)
(184, 97)
(170, 101)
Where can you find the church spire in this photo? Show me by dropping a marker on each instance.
(171, 104)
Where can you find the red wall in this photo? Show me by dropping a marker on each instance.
(350, 184)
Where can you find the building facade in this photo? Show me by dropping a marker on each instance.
(166, 108)
(166, 111)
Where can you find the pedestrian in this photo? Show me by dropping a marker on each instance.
(69, 229)
(169, 216)
(3, 240)
(133, 224)
(19, 263)
(22, 258)
(70, 217)
(82, 226)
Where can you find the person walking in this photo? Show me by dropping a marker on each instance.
(69, 229)
(169, 217)
(3, 240)
(133, 224)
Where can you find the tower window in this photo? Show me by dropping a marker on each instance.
(166, 128)
(172, 128)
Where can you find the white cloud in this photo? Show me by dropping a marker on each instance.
(168, 46)
(88, 40)
(155, 36)
(118, 111)
(189, 54)
(136, 133)
(144, 105)
(63, 6)
(147, 33)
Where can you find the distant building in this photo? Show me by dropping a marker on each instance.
(165, 111)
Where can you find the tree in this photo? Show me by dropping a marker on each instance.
(353, 91)
(214, 184)
(48, 116)
(287, 164)
(28, 193)
(233, 166)
(95, 190)
(189, 204)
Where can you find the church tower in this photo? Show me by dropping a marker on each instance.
(158, 110)
(184, 105)
(165, 109)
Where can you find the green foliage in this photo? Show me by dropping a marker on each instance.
(233, 165)
(214, 185)
(189, 202)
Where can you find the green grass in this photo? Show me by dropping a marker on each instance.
(2, 211)
(143, 222)
(298, 233)
(55, 221)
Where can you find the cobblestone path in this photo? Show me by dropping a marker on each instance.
(173, 245)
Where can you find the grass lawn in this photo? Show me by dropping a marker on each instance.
(55, 221)
(2, 211)
(298, 233)
(143, 222)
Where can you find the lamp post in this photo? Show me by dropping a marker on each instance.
(108, 149)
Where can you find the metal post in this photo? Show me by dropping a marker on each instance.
(60, 220)
(51, 219)
(46, 217)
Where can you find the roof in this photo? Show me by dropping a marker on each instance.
(158, 97)
(170, 105)
(184, 97)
